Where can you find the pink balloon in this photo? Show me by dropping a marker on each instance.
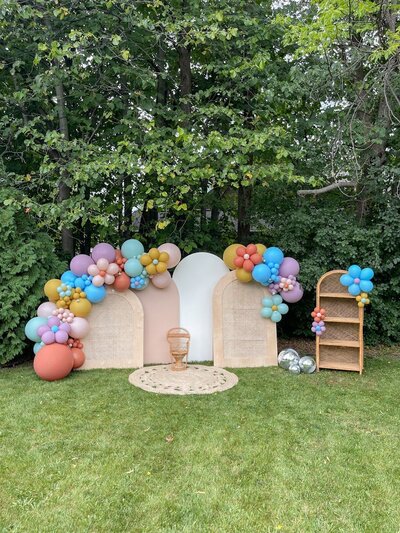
(93, 270)
(173, 252)
(289, 267)
(109, 279)
(79, 328)
(98, 281)
(61, 336)
(113, 269)
(46, 309)
(48, 337)
(295, 295)
(102, 264)
(161, 280)
(103, 250)
(80, 264)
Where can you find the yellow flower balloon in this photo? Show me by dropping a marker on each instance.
(155, 262)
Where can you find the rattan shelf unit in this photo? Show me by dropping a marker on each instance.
(341, 346)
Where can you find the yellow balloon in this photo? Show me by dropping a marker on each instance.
(146, 259)
(50, 289)
(151, 269)
(243, 275)
(81, 307)
(161, 267)
(261, 248)
(164, 257)
(229, 255)
(154, 253)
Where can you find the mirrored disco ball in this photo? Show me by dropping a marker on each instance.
(307, 364)
(286, 357)
(294, 368)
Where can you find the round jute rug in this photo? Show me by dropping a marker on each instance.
(196, 379)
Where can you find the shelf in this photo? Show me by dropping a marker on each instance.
(342, 320)
(340, 366)
(336, 295)
(347, 344)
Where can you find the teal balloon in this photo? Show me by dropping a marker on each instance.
(95, 294)
(133, 267)
(273, 255)
(354, 271)
(32, 326)
(132, 248)
(266, 312)
(366, 286)
(346, 280)
(37, 347)
(283, 309)
(276, 316)
(354, 289)
(367, 274)
(261, 273)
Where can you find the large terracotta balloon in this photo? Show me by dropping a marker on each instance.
(80, 263)
(53, 361)
(103, 251)
(78, 357)
(80, 307)
(293, 296)
(229, 255)
(79, 328)
(50, 289)
(46, 309)
(161, 280)
(173, 252)
(122, 282)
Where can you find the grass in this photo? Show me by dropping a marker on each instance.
(278, 452)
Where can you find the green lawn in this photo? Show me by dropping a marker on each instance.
(276, 453)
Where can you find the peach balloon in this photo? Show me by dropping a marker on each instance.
(102, 264)
(113, 269)
(98, 281)
(79, 328)
(173, 252)
(46, 309)
(92, 270)
(161, 280)
(109, 279)
(78, 356)
(53, 361)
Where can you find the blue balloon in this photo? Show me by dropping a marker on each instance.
(37, 347)
(132, 248)
(367, 274)
(276, 316)
(32, 326)
(354, 271)
(273, 255)
(261, 273)
(68, 277)
(354, 289)
(133, 267)
(79, 282)
(95, 294)
(366, 285)
(346, 280)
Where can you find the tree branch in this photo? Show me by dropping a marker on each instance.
(336, 185)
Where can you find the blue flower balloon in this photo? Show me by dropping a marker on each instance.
(274, 308)
(358, 280)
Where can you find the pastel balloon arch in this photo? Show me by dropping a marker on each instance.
(61, 322)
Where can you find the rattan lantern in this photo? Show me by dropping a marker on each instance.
(179, 340)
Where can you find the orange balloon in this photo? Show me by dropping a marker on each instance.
(248, 265)
(80, 307)
(122, 282)
(243, 276)
(53, 361)
(78, 356)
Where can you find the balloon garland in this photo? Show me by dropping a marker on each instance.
(270, 268)
(61, 322)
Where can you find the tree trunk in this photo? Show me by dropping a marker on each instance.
(244, 207)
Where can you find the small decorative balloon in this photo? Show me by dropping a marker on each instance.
(287, 284)
(69, 278)
(247, 257)
(363, 299)
(120, 260)
(307, 364)
(38, 346)
(295, 295)
(31, 328)
(103, 272)
(54, 331)
(243, 276)
(139, 282)
(64, 315)
(318, 328)
(358, 280)
(261, 273)
(103, 251)
(122, 282)
(79, 265)
(173, 252)
(46, 309)
(78, 356)
(161, 280)
(287, 357)
(75, 343)
(273, 308)
(79, 328)
(155, 262)
(132, 249)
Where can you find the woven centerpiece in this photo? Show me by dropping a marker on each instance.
(196, 379)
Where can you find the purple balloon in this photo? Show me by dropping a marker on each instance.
(293, 296)
(48, 337)
(80, 264)
(53, 321)
(65, 327)
(61, 336)
(42, 330)
(289, 267)
(103, 250)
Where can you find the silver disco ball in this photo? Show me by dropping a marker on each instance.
(294, 368)
(287, 357)
(307, 364)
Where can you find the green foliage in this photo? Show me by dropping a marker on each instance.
(27, 261)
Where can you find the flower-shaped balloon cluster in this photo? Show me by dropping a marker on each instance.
(358, 280)
(318, 325)
(363, 299)
(247, 257)
(65, 293)
(103, 272)
(120, 260)
(155, 262)
(64, 315)
(287, 284)
(54, 331)
(139, 282)
(274, 308)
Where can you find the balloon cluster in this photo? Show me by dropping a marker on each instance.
(358, 280)
(318, 325)
(290, 360)
(61, 322)
(270, 268)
